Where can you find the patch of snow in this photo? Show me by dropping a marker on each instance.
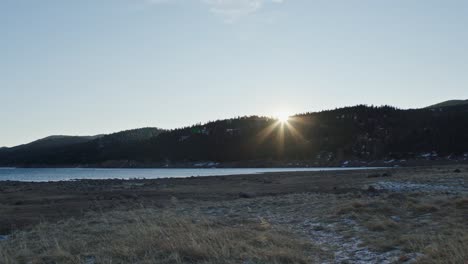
(90, 260)
(426, 155)
(183, 138)
(212, 164)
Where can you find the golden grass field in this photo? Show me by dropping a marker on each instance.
(402, 215)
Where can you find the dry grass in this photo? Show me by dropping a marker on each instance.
(364, 206)
(206, 222)
(380, 223)
(444, 249)
(434, 225)
(147, 236)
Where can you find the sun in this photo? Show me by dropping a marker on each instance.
(282, 117)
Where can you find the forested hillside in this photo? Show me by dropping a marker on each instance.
(68, 150)
(359, 132)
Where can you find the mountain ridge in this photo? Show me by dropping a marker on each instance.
(323, 138)
(449, 103)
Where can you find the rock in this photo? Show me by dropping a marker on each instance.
(371, 189)
(246, 195)
(378, 175)
(457, 171)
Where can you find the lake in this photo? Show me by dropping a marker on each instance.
(61, 174)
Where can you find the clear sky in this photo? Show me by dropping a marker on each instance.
(87, 67)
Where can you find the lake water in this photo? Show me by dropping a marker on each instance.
(60, 174)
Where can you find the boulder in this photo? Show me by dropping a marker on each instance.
(247, 195)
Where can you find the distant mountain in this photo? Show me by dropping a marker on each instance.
(59, 149)
(449, 103)
(55, 141)
(323, 138)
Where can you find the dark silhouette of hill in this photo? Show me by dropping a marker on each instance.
(449, 103)
(68, 150)
(323, 138)
(54, 141)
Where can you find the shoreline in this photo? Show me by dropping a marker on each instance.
(128, 164)
(158, 173)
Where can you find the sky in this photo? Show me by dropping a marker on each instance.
(99, 66)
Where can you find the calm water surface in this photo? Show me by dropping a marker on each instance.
(38, 175)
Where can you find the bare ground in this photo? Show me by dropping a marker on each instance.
(403, 215)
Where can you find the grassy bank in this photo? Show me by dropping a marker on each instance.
(407, 215)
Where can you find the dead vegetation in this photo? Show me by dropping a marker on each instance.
(444, 249)
(434, 225)
(300, 218)
(149, 236)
